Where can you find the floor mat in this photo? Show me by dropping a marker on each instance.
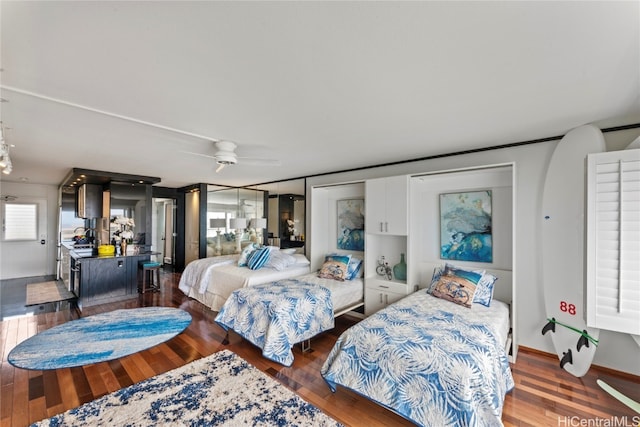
(45, 292)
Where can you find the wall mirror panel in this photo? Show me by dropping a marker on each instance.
(285, 209)
(235, 217)
(129, 201)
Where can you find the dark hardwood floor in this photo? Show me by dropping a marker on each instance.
(544, 394)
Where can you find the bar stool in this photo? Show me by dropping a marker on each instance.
(148, 269)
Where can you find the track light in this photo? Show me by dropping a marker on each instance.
(5, 160)
(8, 168)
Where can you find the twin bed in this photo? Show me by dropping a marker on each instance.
(427, 358)
(276, 316)
(436, 357)
(212, 280)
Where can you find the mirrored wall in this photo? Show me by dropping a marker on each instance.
(286, 215)
(233, 219)
(128, 204)
(270, 214)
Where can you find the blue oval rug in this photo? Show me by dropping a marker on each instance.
(99, 338)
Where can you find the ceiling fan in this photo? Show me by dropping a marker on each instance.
(225, 155)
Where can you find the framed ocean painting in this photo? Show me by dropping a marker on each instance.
(351, 224)
(465, 226)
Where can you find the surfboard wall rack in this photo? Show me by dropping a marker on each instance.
(583, 341)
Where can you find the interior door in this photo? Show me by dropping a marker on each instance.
(25, 247)
(169, 232)
(164, 224)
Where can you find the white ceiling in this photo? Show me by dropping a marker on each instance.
(322, 86)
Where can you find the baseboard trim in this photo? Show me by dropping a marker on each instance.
(603, 369)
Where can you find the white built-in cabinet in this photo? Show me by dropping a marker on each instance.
(402, 216)
(387, 205)
(380, 293)
(386, 228)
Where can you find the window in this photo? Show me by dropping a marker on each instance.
(20, 221)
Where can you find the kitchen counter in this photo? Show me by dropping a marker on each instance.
(81, 253)
(99, 279)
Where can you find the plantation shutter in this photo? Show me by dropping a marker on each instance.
(613, 241)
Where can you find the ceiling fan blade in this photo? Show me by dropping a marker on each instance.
(258, 162)
(225, 155)
(199, 154)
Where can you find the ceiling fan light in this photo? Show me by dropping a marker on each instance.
(226, 158)
(3, 162)
(226, 154)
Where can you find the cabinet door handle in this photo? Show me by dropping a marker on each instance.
(380, 298)
(386, 226)
(384, 286)
(386, 299)
(381, 227)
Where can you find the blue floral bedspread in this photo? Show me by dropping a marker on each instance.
(275, 316)
(432, 366)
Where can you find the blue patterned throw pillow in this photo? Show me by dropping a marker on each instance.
(244, 255)
(484, 290)
(258, 258)
(353, 269)
(437, 272)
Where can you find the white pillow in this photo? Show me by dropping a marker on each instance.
(279, 260)
(289, 251)
(301, 259)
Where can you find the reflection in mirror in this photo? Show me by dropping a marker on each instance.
(234, 219)
(128, 212)
(286, 213)
(222, 206)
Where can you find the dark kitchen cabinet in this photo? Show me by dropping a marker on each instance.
(108, 279)
(89, 201)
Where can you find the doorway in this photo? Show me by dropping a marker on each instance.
(164, 230)
(24, 241)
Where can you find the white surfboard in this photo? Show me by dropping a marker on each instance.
(563, 250)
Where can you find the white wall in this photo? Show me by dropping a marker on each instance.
(616, 351)
(425, 214)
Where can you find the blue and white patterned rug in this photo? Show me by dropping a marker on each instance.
(221, 389)
(99, 338)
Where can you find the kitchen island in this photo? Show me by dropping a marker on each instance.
(99, 279)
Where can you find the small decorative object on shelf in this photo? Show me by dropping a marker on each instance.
(383, 268)
(400, 269)
(123, 246)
